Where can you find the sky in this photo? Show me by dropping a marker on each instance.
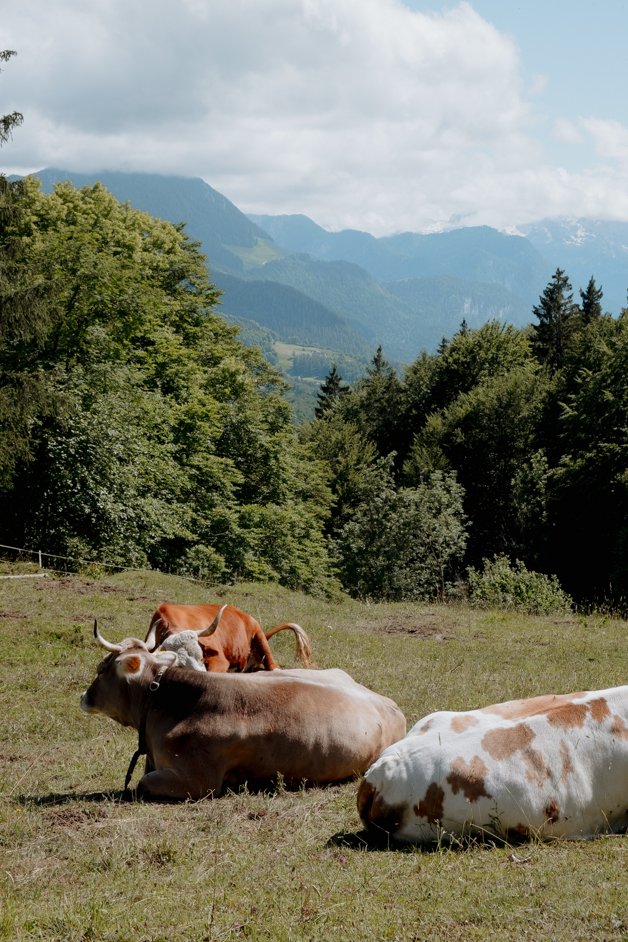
(380, 115)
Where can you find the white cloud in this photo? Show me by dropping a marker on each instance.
(359, 113)
(567, 132)
(610, 139)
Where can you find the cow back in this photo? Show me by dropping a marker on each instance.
(548, 766)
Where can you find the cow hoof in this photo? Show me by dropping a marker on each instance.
(129, 795)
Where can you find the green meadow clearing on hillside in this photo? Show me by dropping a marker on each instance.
(78, 864)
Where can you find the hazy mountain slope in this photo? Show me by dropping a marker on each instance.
(443, 302)
(290, 314)
(353, 294)
(349, 288)
(479, 254)
(235, 246)
(585, 247)
(229, 239)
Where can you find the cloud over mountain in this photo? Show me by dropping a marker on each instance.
(359, 113)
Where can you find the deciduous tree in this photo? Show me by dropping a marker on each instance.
(158, 439)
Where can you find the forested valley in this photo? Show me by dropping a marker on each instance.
(137, 430)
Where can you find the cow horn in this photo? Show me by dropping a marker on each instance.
(115, 648)
(211, 628)
(151, 637)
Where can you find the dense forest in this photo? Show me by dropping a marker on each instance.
(523, 434)
(137, 429)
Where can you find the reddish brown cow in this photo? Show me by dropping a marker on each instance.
(233, 642)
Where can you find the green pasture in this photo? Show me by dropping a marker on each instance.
(77, 864)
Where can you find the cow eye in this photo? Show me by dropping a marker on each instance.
(103, 664)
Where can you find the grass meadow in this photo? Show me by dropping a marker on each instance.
(78, 864)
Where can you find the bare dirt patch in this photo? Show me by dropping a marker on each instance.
(76, 584)
(425, 627)
(83, 587)
(71, 817)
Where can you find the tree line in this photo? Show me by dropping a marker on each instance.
(522, 432)
(137, 429)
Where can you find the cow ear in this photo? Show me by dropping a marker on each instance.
(130, 666)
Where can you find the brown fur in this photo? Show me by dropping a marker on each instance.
(204, 731)
(237, 644)
(469, 778)
(431, 805)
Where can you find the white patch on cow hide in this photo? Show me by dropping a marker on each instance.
(185, 645)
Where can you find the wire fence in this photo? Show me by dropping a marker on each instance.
(79, 562)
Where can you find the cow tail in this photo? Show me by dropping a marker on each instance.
(304, 648)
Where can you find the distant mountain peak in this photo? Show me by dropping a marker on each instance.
(405, 291)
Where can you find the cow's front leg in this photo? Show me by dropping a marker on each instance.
(168, 785)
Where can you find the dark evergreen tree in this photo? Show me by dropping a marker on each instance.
(486, 436)
(332, 389)
(557, 316)
(591, 301)
(374, 405)
(588, 483)
(378, 364)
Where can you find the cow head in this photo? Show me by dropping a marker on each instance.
(163, 629)
(187, 649)
(127, 668)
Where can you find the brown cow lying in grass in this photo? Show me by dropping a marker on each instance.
(550, 766)
(231, 639)
(202, 732)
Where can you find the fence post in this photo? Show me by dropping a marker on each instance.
(40, 565)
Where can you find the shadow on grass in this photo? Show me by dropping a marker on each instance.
(118, 796)
(382, 841)
(369, 841)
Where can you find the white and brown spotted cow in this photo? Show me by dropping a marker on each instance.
(550, 766)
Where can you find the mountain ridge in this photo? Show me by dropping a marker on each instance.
(405, 291)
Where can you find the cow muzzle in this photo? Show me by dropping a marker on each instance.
(86, 706)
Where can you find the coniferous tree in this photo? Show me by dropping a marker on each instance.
(374, 405)
(557, 318)
(588, 484)
(591, 301)
(332, 389)
(13, 120)
(378, 364)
